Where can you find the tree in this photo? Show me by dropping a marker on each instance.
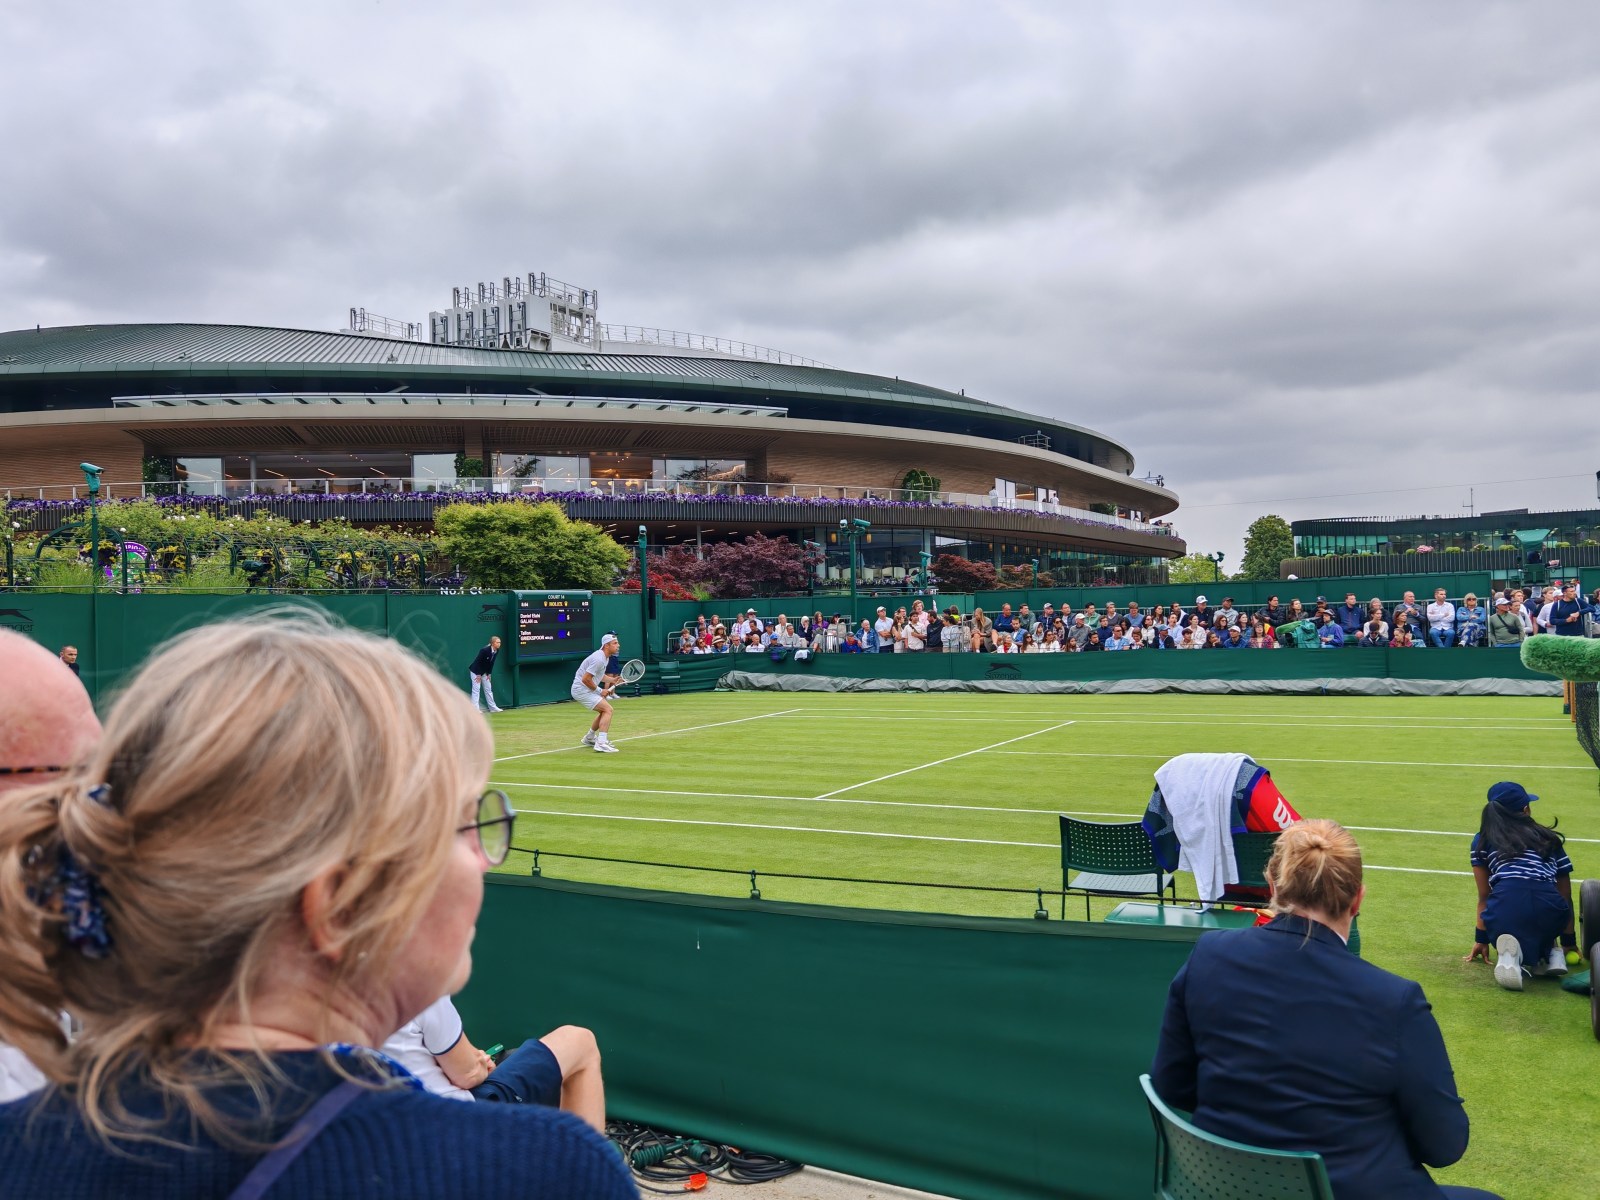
(518, 544)
(957, 574)
(1267, 543)
(1193, 568)
(757, 566)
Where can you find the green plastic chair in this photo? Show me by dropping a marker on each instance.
(1192, 1164)
(668, 674)
(1111, 860)
(1250, 854)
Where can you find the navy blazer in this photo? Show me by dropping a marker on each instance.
(1279, 1037)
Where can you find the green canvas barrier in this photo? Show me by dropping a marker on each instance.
(983, 1058)
(116, 632)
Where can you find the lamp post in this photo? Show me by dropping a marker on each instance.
(644, 591)
(1216, 566)
(853, 528)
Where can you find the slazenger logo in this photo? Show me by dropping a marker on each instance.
(1003, 668)
(15, 618)
(492, 613)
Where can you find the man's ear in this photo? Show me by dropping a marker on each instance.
(316, 910)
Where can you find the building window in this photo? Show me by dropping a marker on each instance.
(540, 472)
(200, 476)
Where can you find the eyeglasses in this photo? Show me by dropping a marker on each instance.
(493, 826)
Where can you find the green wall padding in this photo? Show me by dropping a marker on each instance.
(991, 1059)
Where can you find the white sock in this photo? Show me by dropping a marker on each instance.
(601, 737)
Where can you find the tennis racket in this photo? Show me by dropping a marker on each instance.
(633, 670)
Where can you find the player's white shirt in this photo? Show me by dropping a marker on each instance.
(595, 666)
(416, 1044)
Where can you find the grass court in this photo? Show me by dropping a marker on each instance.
(965, 787)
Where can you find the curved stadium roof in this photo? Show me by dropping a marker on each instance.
(84, 366)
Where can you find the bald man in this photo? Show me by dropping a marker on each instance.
(46, 724)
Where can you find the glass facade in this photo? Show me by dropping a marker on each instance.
(1490, 531)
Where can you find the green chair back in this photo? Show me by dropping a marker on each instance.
(1251, 852)
(1192, 1164)
(1114, 860)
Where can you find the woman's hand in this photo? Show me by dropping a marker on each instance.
(1479, 950)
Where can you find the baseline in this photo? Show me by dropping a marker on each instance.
(639, 737)
(1336, 762)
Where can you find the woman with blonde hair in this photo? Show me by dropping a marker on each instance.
(1280, 1037)
(273, 861)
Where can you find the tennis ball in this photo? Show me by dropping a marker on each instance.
(1573, 958)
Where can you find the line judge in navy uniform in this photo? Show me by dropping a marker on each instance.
(1279, 1037)
(480, 670)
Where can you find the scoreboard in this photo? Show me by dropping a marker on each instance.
(553, 625)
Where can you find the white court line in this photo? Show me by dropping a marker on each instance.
(638, 737)
(940, 761)
(1337, 762)
(1193, 712)
(987, 808)
(1136, 719)
(913, 837)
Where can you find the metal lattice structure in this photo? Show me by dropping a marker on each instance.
(1586, 718)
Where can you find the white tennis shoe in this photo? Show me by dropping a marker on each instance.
(1508, 962)
(588, 738)
(605, 748)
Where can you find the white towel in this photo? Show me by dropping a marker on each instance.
(1198, 790)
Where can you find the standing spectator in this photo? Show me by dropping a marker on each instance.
(1441, 620)
(1541, 621)
(916, 636)
(1351, 616)
(1471, 621)
(1507, 627)
(480, 669)
(884, 628)
(1229, 614)
(1521, 601)
(950, 636)
(920, 620)
(1566, 614)
(1524, 880)
(69, 655)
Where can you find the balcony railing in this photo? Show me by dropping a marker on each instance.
(649, 335)
(410, 487)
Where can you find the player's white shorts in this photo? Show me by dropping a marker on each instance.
(585, 697)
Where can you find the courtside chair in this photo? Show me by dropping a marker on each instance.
(1192, 1164)
(1111, 860)
(1250, 854)
(670, 680)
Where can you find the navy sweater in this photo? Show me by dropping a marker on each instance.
(390, 1144)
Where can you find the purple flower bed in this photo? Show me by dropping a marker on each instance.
(222, 504)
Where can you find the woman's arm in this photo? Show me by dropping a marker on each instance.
(1480, 940)
(464, 1064)
(1427, 1100)
(1176, 1070)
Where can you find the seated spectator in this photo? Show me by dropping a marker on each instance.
(851, 645)
(1408, 614)
(1028, 645)
(951, 638)
(134, 902)
(1005, 622)
(1472, 622)
(1080, 631)
(1091, 618)
(1092, 642)
(1375, 635)
(1297, 612)
(1403, 638)
(1506, 628)
(1380, 1102)
(1116, 641)
(1219, 625)
(1441, 620)
(1190, 639)
(752, 643)
(1375, 613)
(686, 642)
(1051, 643)
(1158, 614)
(1203, 612)
(1212, 642)
(1147, 629)
(1229, 614)
(1235, 639)
(560, 1070)
(1134, 617)
(867, 637)
(1174, 627)
(1351, 617)
(1261, 635)
(982, 633)
(1003, 644)
(1330, 636)
(1272, 612)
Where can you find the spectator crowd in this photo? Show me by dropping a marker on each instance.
(1501, 620)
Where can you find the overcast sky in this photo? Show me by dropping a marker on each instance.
(1294, 255)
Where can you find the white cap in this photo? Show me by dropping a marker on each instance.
(1200, 600)
(610, 637)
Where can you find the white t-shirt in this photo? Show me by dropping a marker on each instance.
(417, 1044)
(18, 1076)
(594, 665)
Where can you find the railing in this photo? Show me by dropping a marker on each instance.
(361, 321)
(446, 400)
(648, 335)
(659, 489)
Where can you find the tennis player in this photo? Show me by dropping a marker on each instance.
(589, 688)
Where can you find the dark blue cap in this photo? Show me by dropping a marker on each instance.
(1511, 796)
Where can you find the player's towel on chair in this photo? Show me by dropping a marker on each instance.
(1198, 789)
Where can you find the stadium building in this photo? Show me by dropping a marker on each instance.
(518, 388)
